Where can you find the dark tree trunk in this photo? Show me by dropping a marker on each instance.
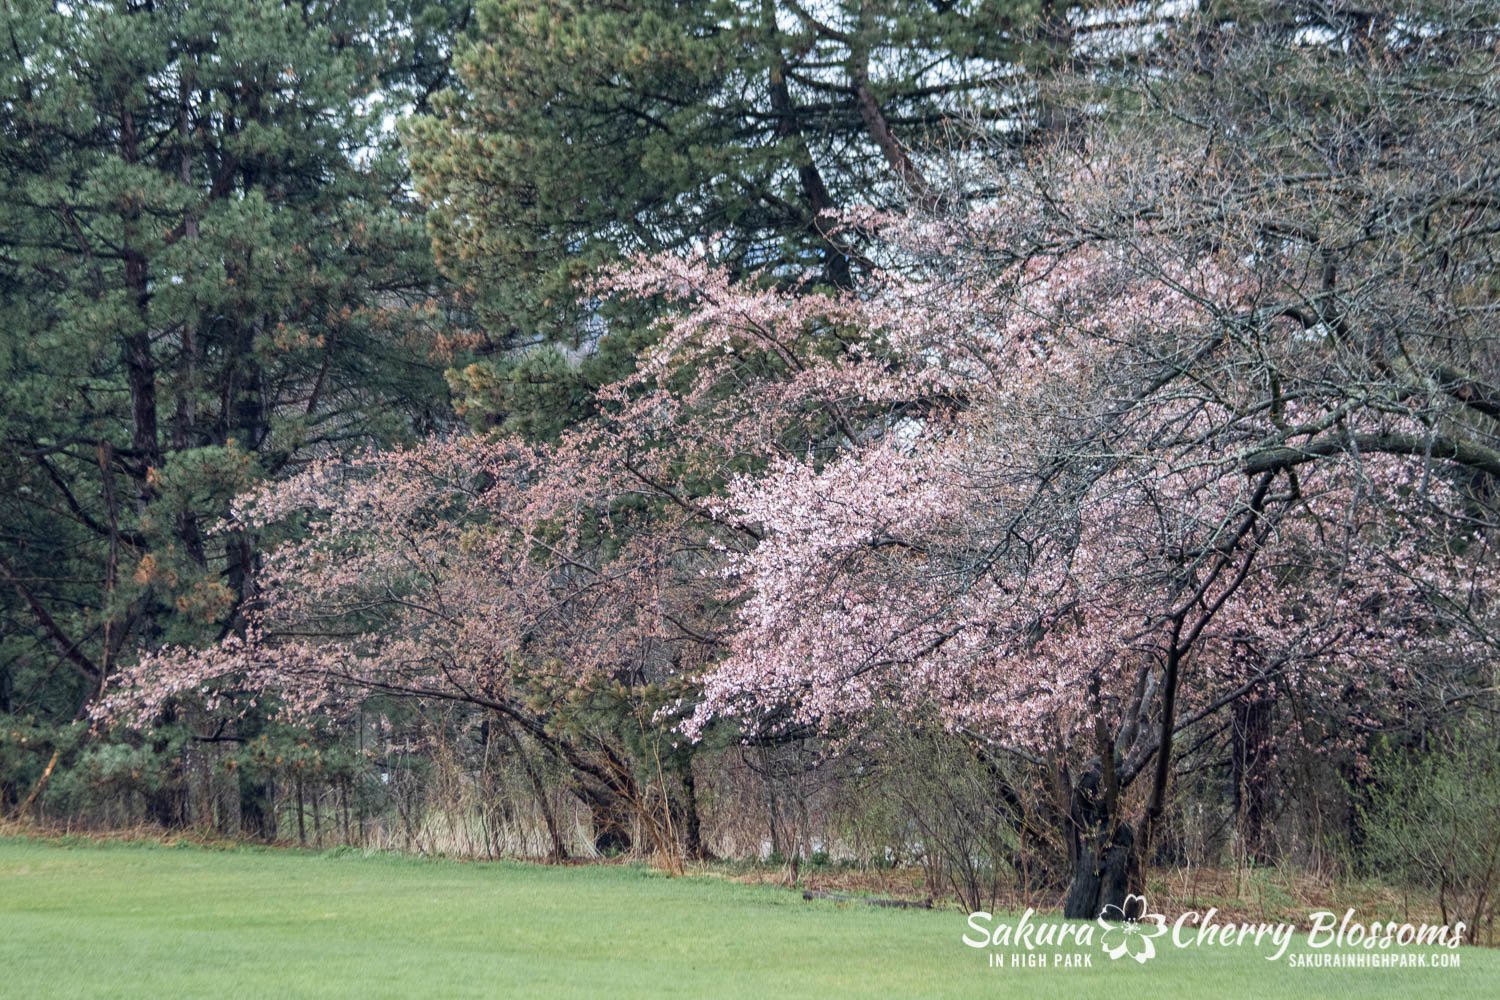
(819, 201)
(257, 817)
(1101, 848)
(692, 824)
(1250, 761)
(140, 365)
(301, 812)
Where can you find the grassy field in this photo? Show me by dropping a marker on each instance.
(118, 920)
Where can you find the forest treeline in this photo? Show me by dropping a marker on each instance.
(1033, 441)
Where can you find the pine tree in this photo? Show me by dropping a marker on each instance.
(579, 132)
(212, 268)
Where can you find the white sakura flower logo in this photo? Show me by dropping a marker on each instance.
(1128, 929)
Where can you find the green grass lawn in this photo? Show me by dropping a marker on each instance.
(115, 920)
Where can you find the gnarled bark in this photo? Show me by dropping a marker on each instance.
(1102, 851)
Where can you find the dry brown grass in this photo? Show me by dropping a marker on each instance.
(1252, 894)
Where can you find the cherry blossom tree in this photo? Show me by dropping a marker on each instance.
(1223, 432)
(564, 587)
